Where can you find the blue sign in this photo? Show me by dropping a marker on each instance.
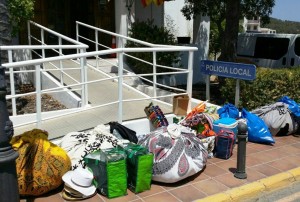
(229, 69)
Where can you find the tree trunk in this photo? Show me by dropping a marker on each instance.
(228, 48)
(5, 28)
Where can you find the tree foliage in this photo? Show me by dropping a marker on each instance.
(268, 87)
(284, 26)
(20, 11)
(230, 11)
(149, 32)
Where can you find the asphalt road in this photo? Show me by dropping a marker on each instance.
(290, 193)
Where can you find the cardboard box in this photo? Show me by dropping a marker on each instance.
(180, 104)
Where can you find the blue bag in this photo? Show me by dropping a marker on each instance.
(257, 129)
(228, 111)
(293, 106)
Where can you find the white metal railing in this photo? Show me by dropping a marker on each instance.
(39, 64)
(34, 48)
(121, 39)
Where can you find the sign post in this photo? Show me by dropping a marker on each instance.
(238, 71)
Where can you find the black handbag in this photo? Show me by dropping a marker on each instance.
(125, 132)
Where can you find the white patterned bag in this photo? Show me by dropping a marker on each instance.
(79, 144)
(178, 153)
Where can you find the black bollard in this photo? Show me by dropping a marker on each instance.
(241, 155)
(9, 190)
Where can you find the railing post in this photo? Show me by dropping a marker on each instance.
(120, 86)
(29, 37)
(12, 85)
(60, 63)
(38, 95)
(43, 42)
(154, 74)
(9, 190)
(84, 90)
(120, 44)
(77, 34)
(241, 155)
(29, 32)
(189, 84)
(96, 47)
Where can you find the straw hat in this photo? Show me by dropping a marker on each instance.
(78, 184)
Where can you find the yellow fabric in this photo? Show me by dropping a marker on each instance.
(41, 164)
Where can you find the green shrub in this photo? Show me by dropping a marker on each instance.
(268, 87)
(20, 11)
(147, 31)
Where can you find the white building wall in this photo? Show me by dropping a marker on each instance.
(198, 30)
(183, 27)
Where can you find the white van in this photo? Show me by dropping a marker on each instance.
(269, 50)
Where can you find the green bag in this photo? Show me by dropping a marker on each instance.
(109, 168)
(139, 167)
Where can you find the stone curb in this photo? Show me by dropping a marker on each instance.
(255, 188)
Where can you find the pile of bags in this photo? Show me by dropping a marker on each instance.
(278, 119)
(113, 158)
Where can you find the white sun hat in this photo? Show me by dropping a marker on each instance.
(81, 180)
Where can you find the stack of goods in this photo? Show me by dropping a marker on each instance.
(201, 120)
(139, 167)
(227, 124)
(156, 116)
(224, 143)
(109, 169)
(78, 185)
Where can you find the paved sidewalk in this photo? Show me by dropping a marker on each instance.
(267, 167)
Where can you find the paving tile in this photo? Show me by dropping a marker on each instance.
(253, 175)
(228, 165)
(266, 169)
(54, 198)
(210, 186)
(262, 157)
(283, 165)
(215, 160)
(200, 177)
(187, 193)
(214, 170)
(285, 139)
(290, 149)
(95, 198)
(229, 180)
(250, 150)
(294, 159)
(165, 196)
(154, 190)
(260, 147)
(297, 145)
(252, 161)
(276, 153)
(129, 197)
